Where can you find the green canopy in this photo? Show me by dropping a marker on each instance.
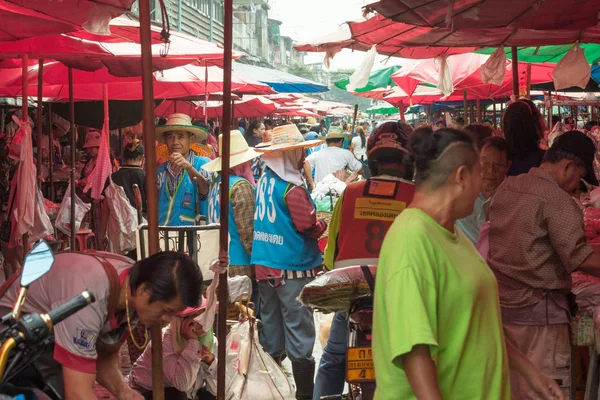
(380, 79)
(383, 110)
(550, 54)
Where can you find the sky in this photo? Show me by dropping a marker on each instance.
(309, 19)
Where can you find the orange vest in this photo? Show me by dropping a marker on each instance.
(368, 210)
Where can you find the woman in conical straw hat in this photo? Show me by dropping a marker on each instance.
(181, 181)
(241, 203)
(285, 254)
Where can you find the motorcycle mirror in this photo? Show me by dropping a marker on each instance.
(37, 263)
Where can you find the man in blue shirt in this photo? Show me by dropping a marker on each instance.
(181, 181)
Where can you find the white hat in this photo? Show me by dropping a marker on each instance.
(92, 139)
(239, 153)
(287, 137)
(180, 122)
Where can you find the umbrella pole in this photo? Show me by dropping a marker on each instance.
(529, 81)
(515, 71)
(73, 158)
(495, 116)
(354, 118)
(39, 123)
(224, 220)
(401, 110)
(465, 107)
(51, 152)
(158, 391)
(428, 113)
(478, 102)
(25, 118)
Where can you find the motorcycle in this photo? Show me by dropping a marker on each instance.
(25, 337)
(360, 370)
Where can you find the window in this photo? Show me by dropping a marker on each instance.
(204, 7)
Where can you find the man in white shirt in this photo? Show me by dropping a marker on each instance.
(331, 159)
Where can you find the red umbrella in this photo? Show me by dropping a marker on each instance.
(119, 52)
(409, 41)
(177, 82)
(465, 70)
(23, 19)
(249, 106)
(473, 14)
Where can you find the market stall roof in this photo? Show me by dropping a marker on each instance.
(24, 19)
(548, 54)
(465, 70)
(249, 106)
(280, 81)
(409, 41)
(173, 83)
(474, 14)
(119, 52)
(380, 79)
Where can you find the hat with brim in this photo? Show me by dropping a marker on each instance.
(286, 138)
(335, 132)
(582, 147)
(180, 122)
(92, 139)
(239, 153)
(192, 311)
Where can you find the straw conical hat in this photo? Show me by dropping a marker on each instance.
(239, 153)
(180, 122)
(287, 137)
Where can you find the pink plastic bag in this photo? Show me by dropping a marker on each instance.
(572, 70)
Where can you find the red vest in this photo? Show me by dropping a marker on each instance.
(368, 210)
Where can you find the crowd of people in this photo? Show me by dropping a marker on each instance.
(474, 254)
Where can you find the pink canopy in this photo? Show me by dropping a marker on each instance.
(295, 112)
(425, 95)
(173, 83)
(473, 14)
(119, 52)
(466, 75)
(23, 19)
(409, 41)
(249, 106)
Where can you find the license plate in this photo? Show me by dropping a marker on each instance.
(359, 365)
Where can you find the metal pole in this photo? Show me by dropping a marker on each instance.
(25, 118)
(465, 107)
(39, 123)
(51, 155)
(515, 71)
(224, 229)
(354, 119)
(73, 157)
(158, 389)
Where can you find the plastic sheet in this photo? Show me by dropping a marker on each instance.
(63, 219)
(494, 69)
(336, 290)
(252, 373)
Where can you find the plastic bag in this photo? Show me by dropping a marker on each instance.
(336, 290)
(445, 84)
(63, 219)
(572, 70)
(360, 77)
(252, 373)
(122, 220)
(42, 226)
(494, 69)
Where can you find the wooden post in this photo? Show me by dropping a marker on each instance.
(515, 71)
(401, 111)
(495, 115)
(151, 181)
(51, 155)
(528, 80)
(40, 121)
(224, 220)
(73, 157)
(354, 119)
(428, 113)
(465, 107)
(478, 102)
(550, 110)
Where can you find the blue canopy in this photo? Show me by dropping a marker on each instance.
(596, 73)
(279, 81)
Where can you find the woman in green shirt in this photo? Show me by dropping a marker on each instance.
(437, 330)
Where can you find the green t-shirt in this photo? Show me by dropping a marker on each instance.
(433, 288)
